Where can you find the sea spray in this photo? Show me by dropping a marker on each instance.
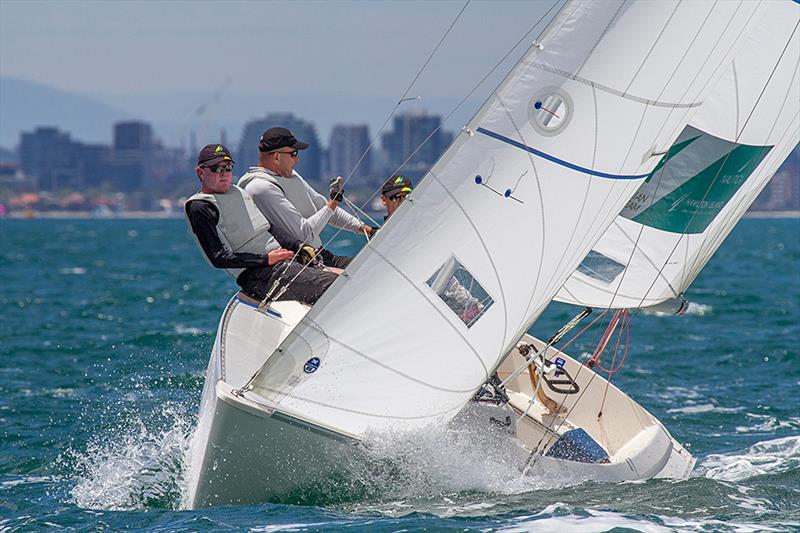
(766, 457)
(138, 466)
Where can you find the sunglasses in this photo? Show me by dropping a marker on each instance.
(222, 167)
(398, 196)
(293, 153)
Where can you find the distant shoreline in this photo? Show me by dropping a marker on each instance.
(772, 214)
(163, 215)
(89, 214)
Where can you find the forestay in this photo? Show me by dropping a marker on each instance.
(458, 274)
(745, 129)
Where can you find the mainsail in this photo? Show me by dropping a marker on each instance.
(715, 169)
(428, 308)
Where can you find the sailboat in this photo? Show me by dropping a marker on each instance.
(534, 183)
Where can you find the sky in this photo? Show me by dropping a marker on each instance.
(124, 52)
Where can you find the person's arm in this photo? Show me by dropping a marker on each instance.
(341, 218)
(203, 217)
(282, 214)
(284, 239)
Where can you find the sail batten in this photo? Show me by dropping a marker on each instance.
(461, 270)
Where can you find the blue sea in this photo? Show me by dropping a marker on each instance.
(106, 330)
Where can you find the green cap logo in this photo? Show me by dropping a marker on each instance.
(219, 149)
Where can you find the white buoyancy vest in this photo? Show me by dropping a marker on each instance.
(241, 226)
(297, 191)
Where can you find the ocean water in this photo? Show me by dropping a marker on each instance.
(105, 331)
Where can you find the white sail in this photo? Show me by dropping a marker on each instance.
(498, 224)
(746, 128)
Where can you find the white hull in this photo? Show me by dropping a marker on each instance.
(246, 449)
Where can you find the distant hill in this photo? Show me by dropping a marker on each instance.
(25, 105)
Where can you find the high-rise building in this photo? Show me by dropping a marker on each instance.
(58, 162)
(408, 136)
(132, 156)
(310, 164)
(133, 135)
(348, 144)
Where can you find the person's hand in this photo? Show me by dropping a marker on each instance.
(369, 230)
(337, 189)
(276, 256)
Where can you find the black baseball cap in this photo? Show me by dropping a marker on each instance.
(396, 184)
(213, 154)
(278, 137)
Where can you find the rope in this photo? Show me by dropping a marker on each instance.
(405, 94)
(446, 118)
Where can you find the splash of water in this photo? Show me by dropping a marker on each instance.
(140, 466)
(766, 457)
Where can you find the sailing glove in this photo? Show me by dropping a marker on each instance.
(307, 254)
(337, 189)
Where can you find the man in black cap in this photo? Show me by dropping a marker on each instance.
(394, 192)
(290, 203)
(234, 235)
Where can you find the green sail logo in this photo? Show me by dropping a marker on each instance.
(693, 182)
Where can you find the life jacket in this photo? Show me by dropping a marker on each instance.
(241, 226)
(295, 189)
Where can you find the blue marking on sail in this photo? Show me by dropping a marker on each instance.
(558, 161)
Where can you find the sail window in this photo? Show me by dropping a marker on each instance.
(460, 291)
(550, 111)
(598, 266)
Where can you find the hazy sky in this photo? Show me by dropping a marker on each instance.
(370, 48)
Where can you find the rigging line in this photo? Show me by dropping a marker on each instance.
(408, 89)
(531, 460)
(653, 47)
(447, 117)
(357, 210)
(660, 94)
(658, 183)
(581, 366)
(664, 123)
(671, 76)
(467, 96)
(739, 133)
(708, 57)
(727, 156)
(734, 211)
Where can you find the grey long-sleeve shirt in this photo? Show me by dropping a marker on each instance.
(293, 206)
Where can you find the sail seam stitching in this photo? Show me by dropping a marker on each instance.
(615, 92)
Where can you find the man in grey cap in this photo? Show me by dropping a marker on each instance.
(291, 204)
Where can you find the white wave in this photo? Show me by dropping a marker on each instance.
(704, 408)
(696, 309)
(767, 424)
(561, 517)
(77, 271)
(133, 468)
(693, 309)
(767, 457)
(189, 330)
